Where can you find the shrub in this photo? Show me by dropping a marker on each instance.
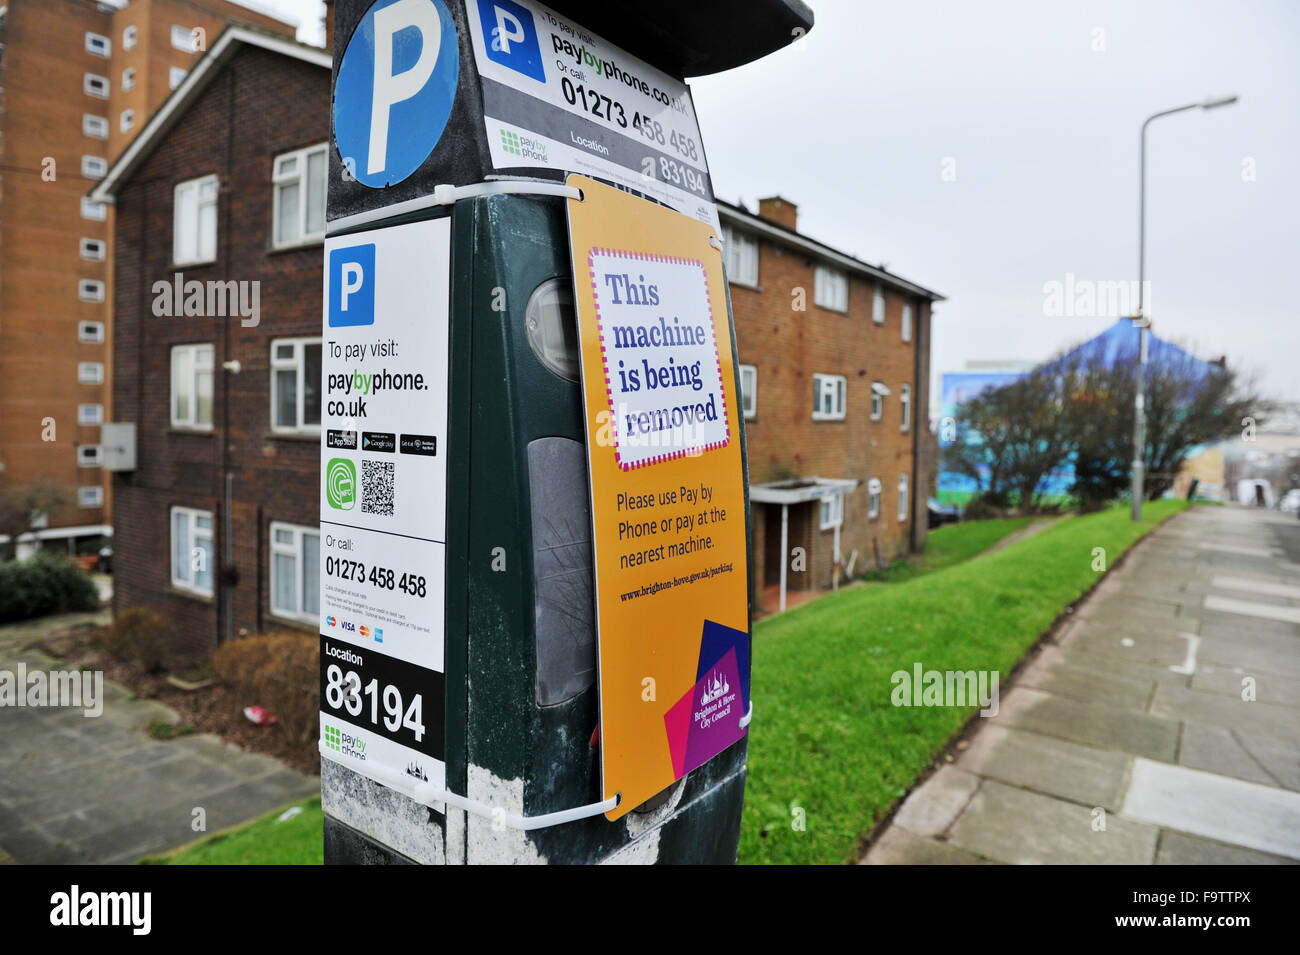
(42, 585)
(280, 671)
(139, 636)
(979, 508)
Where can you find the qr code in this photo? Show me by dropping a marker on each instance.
(377, 487)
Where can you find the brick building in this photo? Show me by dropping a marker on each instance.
(217, 525)
(78, 79)
(835, 370)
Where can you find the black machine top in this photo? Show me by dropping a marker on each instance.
(693, 37)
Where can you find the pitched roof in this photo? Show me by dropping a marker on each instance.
(737, 215)
(232, 38)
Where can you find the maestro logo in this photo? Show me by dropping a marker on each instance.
(510, 36)
(395, 89)
(341, 486)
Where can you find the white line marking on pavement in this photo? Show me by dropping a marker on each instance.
(1251, 609)
(1217, 807)
(1188, 666)
(1233, 549)
(1256, 586)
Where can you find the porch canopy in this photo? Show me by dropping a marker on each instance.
(799, 491)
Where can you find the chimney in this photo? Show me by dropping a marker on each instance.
(329, 24)
(781, 211)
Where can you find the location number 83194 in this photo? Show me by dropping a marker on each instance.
(344, 691)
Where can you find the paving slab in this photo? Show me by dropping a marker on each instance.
(1017, 826)
(1243, 755)
(1228, 681)
(1094, 724)
(900, 847)
(1178, 848)
(1055, 767)
(1217, 807)
(1259, 606)
(935, 805)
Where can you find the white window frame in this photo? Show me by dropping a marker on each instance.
(907, 321)
(878, 305)
(126, 122)
(902, 497)
(128, 78)
(129, 35)
(831, 510)
(195, 533)
(92, 84)
(89, 415)
(201, 359)
(99, 45)
(90, 290)
(90, 372)
(293, 549)
(749, 396)
(90, 456)
(186, 45)
(824, 383)
(874, 490)
(93, 211)
(297, 363)
(905, 400)
(740, 252)
(96, 127)
(93, 250)
(878, 394)
(831, 288)
(90, 332)
(94, 167)
(90, 496)
(299, 178)
(176, 76)
(198, 204)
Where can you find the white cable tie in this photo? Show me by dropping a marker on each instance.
(748, 717)
(428, 794)
(446, 195)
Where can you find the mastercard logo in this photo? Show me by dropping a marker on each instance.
(365, 631)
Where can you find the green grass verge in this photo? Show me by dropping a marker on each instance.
(265, 841)
(948, 545)
(826, 738)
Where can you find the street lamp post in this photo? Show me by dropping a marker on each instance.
(1141, 320)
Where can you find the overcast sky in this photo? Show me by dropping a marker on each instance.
(1036, 108)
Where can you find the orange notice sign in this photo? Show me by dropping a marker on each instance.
(667, 490)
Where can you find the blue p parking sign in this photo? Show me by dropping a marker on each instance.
(352, 286)
(395, 89)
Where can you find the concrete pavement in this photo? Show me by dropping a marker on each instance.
(75, 789)
(1162, 725)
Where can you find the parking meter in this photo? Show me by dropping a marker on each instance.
(460, 716)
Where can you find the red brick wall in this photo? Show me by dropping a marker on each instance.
(788, 347)
(276, 104)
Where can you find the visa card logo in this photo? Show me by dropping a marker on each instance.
(510, 36)
(352, 286)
